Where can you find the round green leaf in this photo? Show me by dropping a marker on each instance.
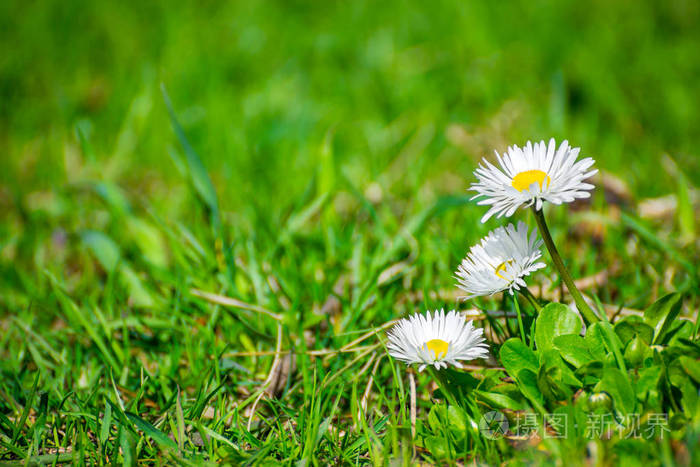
(555, 320)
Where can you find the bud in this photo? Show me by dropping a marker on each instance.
(635, 351)
(599, 400)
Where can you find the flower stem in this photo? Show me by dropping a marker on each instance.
(581, 304)
(439, 376)
(520, 318)
(531, 298)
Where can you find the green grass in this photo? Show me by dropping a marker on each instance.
(319, 179)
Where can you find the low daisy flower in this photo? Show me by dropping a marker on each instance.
(439, 340)
(533, 174)
(500, 262)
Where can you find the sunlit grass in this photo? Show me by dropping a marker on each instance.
(336, 145)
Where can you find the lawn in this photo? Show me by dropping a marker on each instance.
(211, 214)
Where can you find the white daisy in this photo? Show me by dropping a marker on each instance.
(531, 175)
(436, 340)
(500, 261)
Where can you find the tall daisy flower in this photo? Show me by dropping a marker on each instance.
(439, 339)
(500, 261)
(531, 175)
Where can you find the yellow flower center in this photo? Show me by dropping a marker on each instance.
(523, 180)
(438, 346)
(503, 267)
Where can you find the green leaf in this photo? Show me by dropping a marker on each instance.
(499, 401)
(148, 429)
(618, 385)
(632, 325)
(138, 292)
(680, 421)
(549, 384)
(661, 314)
(522, 364)
(689, 397)
(527, 381)
(552, 358)
(443, 417)
(573, 349)
(465, 381)
(647, 382)
(691, 366)
(436, 416)
(595, 343)
(457, 420)
(105, 250)
(149, 240)
(515, 356)
(688, 346)
(679, 329)
(113, 196)
(591, 372)
(679, 378)
(602, 332)
(554, 377)
(555, 320)
(446, 423)
(438, 446)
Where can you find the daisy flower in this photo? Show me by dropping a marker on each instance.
(500, 262)
(531, 175)
(439, 340)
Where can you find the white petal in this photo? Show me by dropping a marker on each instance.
(566, 177)
(464, 341)
(502, 258)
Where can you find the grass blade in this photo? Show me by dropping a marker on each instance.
(25, 412)
(157, 435)
(200, 178)
(180, 421)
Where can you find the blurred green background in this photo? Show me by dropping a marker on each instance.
(258, 85)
